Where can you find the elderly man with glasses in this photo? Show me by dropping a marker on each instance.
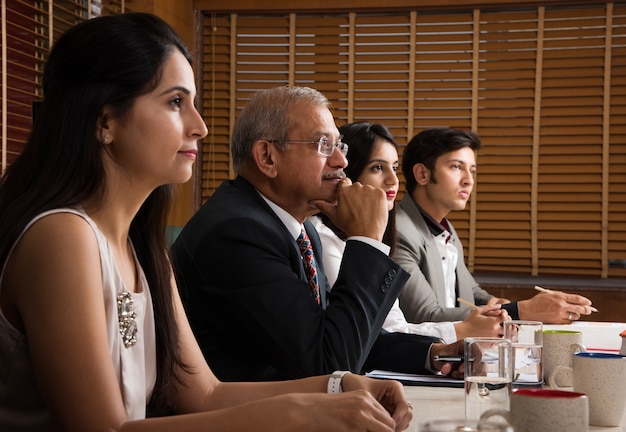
(256, 296)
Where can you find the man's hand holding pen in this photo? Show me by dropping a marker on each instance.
(444, 358)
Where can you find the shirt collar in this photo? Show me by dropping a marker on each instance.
(436, 228)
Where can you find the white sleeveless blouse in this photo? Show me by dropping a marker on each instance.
(21, 404)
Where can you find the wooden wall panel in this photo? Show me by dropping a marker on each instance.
(180, 15)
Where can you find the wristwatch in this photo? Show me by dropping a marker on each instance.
(334, 382)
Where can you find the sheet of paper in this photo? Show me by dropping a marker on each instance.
(412, 379)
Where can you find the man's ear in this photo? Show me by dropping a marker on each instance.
(263, 154)
(421, 174)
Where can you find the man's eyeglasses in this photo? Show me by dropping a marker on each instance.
(324, 146)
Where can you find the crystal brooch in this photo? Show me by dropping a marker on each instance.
(126, 316)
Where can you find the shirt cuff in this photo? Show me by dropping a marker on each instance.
(374, 243)
(427, 364)
(511, 309)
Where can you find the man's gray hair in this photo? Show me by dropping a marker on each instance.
(270, 115)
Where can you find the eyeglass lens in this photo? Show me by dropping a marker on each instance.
(326, 147)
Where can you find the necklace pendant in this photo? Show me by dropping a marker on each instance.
(126, 317)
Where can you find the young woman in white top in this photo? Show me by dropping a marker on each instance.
(92, 331)
(373, 160)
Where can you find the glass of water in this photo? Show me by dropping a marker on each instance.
(488, 375)
(463, 426)
(527, 344)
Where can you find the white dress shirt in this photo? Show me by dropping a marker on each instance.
(449, 257)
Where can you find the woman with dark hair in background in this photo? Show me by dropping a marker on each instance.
(373, 160)
(92, 329)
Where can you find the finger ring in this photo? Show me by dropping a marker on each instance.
(409, 404)
(570, 316)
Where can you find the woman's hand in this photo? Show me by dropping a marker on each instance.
(388, 393)
(356, 410)
(485, 321)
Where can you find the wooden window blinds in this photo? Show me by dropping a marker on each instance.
(544, 87)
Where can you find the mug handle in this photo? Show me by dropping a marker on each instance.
(555, 372)
(506, 415)
(577, 347)
(574, 348)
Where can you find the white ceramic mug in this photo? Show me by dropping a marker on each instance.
(602, 377)
(545, 410)
(558, 347)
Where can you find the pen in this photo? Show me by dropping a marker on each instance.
(542, 289)
(545, 290)
(466, 303)
(449, 358)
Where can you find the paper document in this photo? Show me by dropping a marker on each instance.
(418, 380)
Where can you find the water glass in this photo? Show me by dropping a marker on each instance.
(488, 375)
(463, 426)
(527, 344)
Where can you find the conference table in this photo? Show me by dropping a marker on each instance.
(433, 403)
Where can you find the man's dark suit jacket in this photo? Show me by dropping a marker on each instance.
(245, 290)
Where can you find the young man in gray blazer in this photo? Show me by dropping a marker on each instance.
(439, 166)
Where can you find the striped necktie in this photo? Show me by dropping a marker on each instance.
(309, 264)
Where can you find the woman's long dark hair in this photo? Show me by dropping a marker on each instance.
(106, 61)
(361, 139)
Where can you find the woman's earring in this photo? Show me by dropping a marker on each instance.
(105, 139)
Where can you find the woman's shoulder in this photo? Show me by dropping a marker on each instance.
(59, 223)
(58, 245)
(60, 231)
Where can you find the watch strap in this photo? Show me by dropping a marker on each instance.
(334, 382)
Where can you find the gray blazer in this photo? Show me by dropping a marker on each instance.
(422, 298)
